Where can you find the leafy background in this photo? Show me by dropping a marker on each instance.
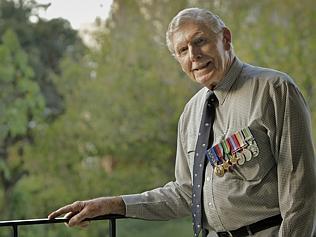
(78, 122)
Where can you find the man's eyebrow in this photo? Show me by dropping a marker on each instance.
(192, 37)
(198, 33)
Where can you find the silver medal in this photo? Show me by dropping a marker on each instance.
(247, 154)
(254, 149)
(241, 159)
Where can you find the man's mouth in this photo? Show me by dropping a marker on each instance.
(198, 68)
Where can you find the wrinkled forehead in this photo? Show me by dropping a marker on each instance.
(188, 30)
(198, 23)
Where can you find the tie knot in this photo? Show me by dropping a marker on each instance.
(211, 98)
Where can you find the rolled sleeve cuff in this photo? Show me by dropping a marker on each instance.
(133, 205)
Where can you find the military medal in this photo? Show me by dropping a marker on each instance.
(233, 159)
(247, 154)
(252, 145)
(240, 158)
(219, 151)
(226, 150)
(219, 170)
(254, 149)
(226, 165)
(234, 150)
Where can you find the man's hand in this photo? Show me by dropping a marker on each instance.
(80, 210)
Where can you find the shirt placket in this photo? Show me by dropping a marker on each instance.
(212, 219)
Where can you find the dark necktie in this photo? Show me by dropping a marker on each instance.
(205, 139)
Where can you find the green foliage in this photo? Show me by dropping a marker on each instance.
(20, 96)
(21, 109)
(27, 95)
(46, 41)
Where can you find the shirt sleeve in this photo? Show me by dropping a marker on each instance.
(168, 202)
(294, 154)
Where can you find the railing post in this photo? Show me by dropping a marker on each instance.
(15, 231)
(112, 228)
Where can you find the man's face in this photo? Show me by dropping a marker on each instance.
(203, 55)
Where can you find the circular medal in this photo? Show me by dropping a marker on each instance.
(219, 170)
(254, 149)
(241, 159)
(247, 154)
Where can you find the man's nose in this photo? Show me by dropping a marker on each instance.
(195, 53)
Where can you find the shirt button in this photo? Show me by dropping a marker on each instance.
(203, 145)
(199, 186)
(197, 154)
(198, 206)
(210, 204)
(206, 124)
(208, 179)
(195, 175)
(200, 165)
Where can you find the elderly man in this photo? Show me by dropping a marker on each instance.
(245, 159)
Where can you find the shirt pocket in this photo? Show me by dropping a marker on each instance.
(258, 166)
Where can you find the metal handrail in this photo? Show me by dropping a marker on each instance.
(16, 223)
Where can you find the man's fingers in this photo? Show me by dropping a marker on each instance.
(69, 215)
(77, 219)
(60, 211)
(75, 207)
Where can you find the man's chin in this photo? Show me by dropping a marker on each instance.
(209, 81)
(204, 81)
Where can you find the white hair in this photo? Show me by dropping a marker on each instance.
(196, 15)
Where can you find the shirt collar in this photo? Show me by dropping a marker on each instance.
(224, 86)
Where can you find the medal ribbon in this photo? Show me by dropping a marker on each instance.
(219, 152)
(228, 145)
(247, 134)
(240, 139)
(225, 147)
(215, 155)
(236, 141)
(210, 157)
(232, 144)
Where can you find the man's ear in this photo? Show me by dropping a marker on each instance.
(227, 38)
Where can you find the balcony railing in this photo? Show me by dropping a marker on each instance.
(16, 223)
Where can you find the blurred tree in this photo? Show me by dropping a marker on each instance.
(46, 41)
(30, 54)
(21, 108)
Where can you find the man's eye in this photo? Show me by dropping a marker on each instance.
(200, 41)
(182, 51)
